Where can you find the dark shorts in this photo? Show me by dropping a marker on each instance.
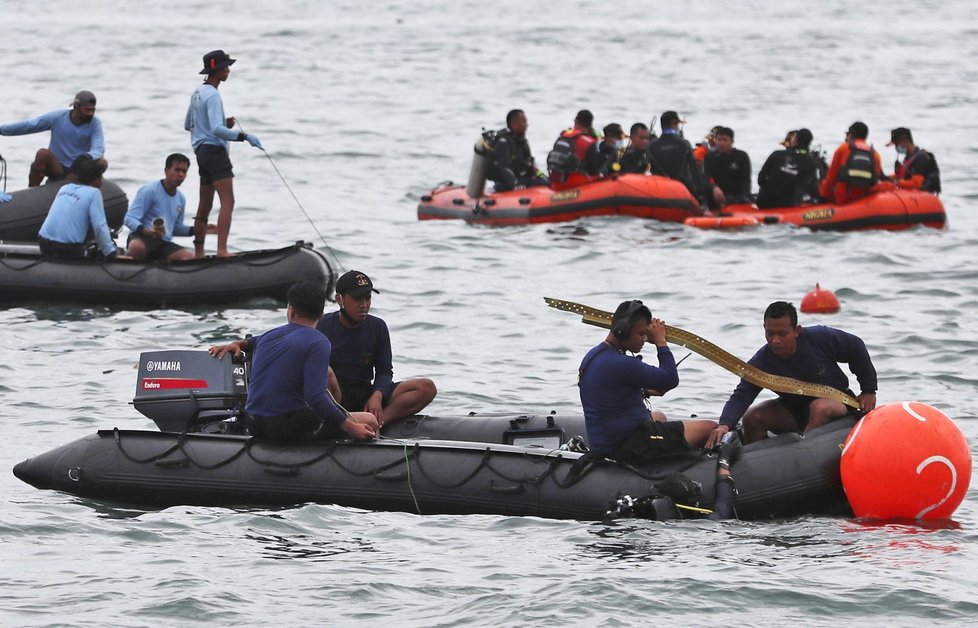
(797, 406)
(652, 440)
(61, 250)
(292, 427)
(356, 393)
(156, 248)
(213, 163)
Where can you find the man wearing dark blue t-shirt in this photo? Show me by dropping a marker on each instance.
(614, 387)
(810, 354)
(361, 360)
(287, 397)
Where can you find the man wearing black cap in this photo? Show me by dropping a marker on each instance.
(210, 132)
(672, 156)
(574, 158)
(361, 360)
(611, 147)
(918, 170)
(789, 177)
(74, 132)
(856, 168)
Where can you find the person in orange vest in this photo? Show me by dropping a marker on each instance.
(575, 158)
(918, 169)
(856, 167)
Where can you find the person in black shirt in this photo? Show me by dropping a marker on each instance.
(727, 171)
(789, 177)
(918, 169)
(513, 166)
(672, 156)
(635, 159)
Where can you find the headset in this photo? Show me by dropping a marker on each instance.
(621, 327)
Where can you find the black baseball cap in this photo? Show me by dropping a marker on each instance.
(355, 284)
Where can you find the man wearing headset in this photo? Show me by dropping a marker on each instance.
(614, 387)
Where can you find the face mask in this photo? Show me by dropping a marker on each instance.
(901, 150)
(619, 144)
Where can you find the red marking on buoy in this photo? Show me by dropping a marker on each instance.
(820, 301)
(906, 460)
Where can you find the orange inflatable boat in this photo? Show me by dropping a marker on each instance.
(890, 209)
(640, 196)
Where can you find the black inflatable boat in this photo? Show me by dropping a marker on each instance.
(22, 217)
(26, 276)
(520, 464)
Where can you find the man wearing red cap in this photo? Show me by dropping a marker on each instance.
(362, 375)
(210, 132)
(75, 132)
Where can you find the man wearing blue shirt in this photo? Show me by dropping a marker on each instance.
(361, 362)
(810, 354)
(76, 209)
(157, 213)
(287, 398)
(210, 132)
(74, 132)
(614, 388)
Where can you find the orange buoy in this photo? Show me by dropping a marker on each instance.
(905, 460)
(721, 222)
(820, 301)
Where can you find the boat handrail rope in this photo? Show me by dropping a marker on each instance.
(717, 355)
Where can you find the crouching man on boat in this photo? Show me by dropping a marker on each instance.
(287, 396)
(77, 208)
(156, 215)
(361, 370)
(811, 354)
(614, 388)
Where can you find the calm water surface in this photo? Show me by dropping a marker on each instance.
(363, 107)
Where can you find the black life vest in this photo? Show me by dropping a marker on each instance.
(563, 158)
(860, 168)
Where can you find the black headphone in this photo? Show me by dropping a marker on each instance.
(622, 325)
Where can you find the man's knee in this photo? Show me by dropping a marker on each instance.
(136, 249)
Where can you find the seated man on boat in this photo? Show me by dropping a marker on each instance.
(76, 209)
(513, 166)
(672, 156)
(575, 159)
(361, 370)
(855, 168)
(790, 176)
(156, 215)
(287, 393)
(611, 147)
(918, 170)
(811, 354)
(728, 171)
(74, 132)
(708, 145)
(635, 159)
(614, 388)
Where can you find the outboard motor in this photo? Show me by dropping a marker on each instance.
(191, 391)
(481, 158)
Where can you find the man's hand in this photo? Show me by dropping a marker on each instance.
(358, 430)
(867, 401)
(375, 406)
(715, 436)
(657, 332)
(219, 351)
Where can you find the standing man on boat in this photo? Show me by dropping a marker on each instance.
(635, 159)
(855, 168)
(810, 354)
(362, 374)
(918, 170)
(614, 388)
(672, 156)
(210, 132)
(156, 215)
(575, 159)
(790, 176)
(74, 132)
(76, 209)
(728, 170)
(287, 398)
(514, 166)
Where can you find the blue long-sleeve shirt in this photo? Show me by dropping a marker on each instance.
(69, 141)
(75, 209)
(816, 360)
(152, 201)
(288, 373)
(361, 354)
(611, 386)
(206, 120)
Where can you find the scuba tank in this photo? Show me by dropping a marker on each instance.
(481, 158)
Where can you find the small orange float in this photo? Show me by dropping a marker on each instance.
(820, 301)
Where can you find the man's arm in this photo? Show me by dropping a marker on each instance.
(34, 125)
(97, 149)
(96, 217)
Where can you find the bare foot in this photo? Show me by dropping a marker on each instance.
(224, 254)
